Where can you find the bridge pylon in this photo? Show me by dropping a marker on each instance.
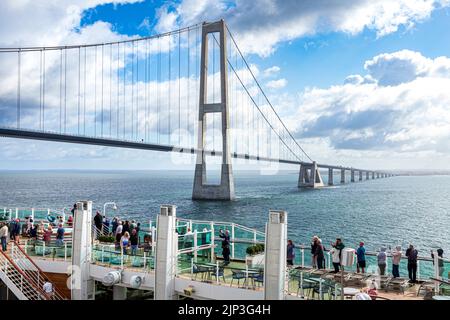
(309, 176)
(225, 190)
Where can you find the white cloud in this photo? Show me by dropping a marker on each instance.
(271, 71)
(277, 84)
(50, 23)
(403, 111)
(262, 24)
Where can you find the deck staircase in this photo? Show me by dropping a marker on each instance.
(23, 277)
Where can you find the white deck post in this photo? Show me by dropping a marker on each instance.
(82, 285)
(166, 254)
(275, 256)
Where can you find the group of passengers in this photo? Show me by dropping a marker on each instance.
(318, 258)
(125, 233)
(32, 230)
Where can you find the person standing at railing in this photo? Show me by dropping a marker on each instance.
(313, 251)
(290, 254)
(4, 236)
(125, 242)
(361, 258)
(15, 230)
(225, 246)
(319, 254)
(381, 258)
(34, 232)
(114, 224)
(134, 242)
(47, 235)
(98, 221)
(118, 234)
(412, 254)
(60, 236)
(336, 253)
(70, 221)
(126, 227)
(396, 257)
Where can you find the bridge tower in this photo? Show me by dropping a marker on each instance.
(202, 190)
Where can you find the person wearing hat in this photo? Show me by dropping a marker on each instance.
(361, 258)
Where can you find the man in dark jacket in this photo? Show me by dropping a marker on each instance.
(98, 221)
(412, 253)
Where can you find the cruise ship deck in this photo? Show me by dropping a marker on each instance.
(182, 259)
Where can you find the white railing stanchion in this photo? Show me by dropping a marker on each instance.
(145, 259)
(17, 213)
(217, 272)
(418, 270)
(121, 258)
(195, 245)
(303, 257)
(232, 237)
(192, 268)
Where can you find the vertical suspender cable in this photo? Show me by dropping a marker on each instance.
(188, 83)
(40, 90)
(124, 82)
(146, 89)
(110, 90)
(137, 90)
(65, 91)
(84, 91)
(103, 58)
(179, 88)
(95, 92)
(79, 86)
(18, 87)
(158, 89)
(124, 90)
(118, 95)
(170, 84)
(214, 92)
(60, 90)
(132, 92)
(43, 93)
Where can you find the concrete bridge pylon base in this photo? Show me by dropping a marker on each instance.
(310, 177)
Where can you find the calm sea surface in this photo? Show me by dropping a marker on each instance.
(392, 211)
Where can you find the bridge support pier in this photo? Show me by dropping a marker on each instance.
(360, 175)
(166, 254)
(373, 175)
(201, 189)
(342, 176)
(353, 175)
(330, 177)
(367, 175)
(310, 177)
(275, 256)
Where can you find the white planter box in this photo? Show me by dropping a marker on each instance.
(255, 261)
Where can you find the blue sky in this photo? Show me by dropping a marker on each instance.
(332, 61)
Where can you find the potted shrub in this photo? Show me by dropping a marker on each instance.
(255, 256)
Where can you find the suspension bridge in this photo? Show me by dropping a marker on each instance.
(187, 91)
